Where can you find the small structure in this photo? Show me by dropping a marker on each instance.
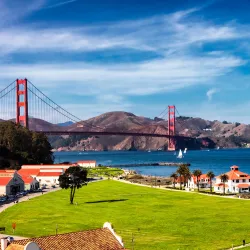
(48, 178)
(238, 182)
(97, 239)
(10, 182)
(204, 181)
(30, 182)
(87, 164)
(49, 166)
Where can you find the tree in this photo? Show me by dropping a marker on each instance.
(183, 171)
(186, 174)
(20, 146)
(175, 177)
(73, 178)
(224, 179)
(210, 175)
(197, 173)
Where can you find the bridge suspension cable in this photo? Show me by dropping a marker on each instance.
(51, 110)
(7, 101)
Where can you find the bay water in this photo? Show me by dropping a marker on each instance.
(218, 161)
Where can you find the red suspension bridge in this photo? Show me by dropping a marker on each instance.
(24, 101)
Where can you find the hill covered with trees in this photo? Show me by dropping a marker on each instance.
(20, 146)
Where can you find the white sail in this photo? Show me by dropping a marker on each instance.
(185, 151)
(180, 154)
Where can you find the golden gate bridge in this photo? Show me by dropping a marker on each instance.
(24, 101)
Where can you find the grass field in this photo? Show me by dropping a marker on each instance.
(158, 219)
(105, 172)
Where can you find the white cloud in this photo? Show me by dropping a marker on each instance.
(164, 33)
(59, 4)
(174, 37)
(125, 79)
(211, 92)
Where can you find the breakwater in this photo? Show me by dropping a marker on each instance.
(169, 164)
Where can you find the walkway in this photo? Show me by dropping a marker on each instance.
(178, 190)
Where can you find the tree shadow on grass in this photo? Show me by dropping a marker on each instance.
(92, 202)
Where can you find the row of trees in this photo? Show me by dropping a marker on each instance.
(184, 174)
(18, 146)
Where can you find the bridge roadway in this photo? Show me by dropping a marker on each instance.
(177, 137)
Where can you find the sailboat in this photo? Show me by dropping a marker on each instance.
(180, 154)
(185, 151)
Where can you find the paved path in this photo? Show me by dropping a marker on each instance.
(178, 190)
(239, 247)
(27, 197)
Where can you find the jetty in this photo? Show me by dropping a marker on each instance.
(169, 164)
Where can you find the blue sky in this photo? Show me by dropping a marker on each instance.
(97, 56)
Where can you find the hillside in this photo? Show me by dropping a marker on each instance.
(208, 134)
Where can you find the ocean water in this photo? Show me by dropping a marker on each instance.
(218, 161)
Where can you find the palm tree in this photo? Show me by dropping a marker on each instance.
(186, 174)
(197, 173)
(175, 177)
(224, 179)
(182, 171)
(210, 175)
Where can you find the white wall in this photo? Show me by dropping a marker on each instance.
(2, 190)
(87, 164)
(48, 180)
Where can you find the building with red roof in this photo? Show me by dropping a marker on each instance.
(87, 164)
(238, 182)
(48, 178)
(10, 182)
(204, 181)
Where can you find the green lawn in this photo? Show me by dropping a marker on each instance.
(104, 171)
(158, 219)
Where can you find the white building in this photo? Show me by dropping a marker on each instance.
(204, 181)
(49, 166)
(10, 182)
(238, 182)
(87, 164)
(44, 176)
(48, 178)
(30, 182)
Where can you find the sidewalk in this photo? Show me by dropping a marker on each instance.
(178, 190)
(27, 197)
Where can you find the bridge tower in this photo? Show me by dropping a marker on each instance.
(171, 127)
(22, 102)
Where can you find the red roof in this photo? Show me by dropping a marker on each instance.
(49, 174)
(243, 185)
(43, 169)
(28, 172)
(235, 174)
(5, 180)
(7, 171)
(27, 179)
(202, 177)
(220, 185)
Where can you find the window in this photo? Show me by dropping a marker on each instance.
(233, 180)
(237, 181)
(243, 180)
